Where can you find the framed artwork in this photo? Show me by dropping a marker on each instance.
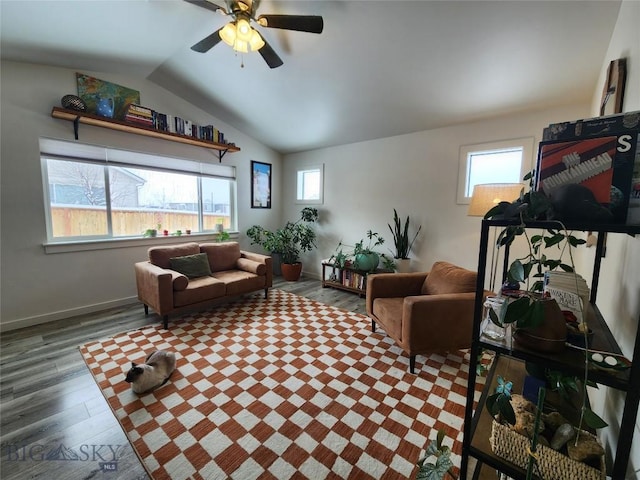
(260, 185)
(613, 91)
(105, 98)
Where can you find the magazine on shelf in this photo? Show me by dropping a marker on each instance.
(601, 153)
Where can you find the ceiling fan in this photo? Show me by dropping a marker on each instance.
(242, 37)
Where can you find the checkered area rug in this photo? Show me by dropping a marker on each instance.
(281, 388)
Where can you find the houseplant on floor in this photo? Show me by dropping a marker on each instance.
(289, 241)
(401, 242)
(442, 467)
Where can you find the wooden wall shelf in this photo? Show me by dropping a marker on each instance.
(95, 120)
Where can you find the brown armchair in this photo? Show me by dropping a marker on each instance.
(424, 312)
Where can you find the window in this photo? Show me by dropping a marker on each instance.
(309, 183)
(91, 198)
(497, 162)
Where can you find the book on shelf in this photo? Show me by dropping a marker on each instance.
(569, 290)
(140, 115)
(145, 116)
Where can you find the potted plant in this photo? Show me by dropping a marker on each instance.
(289, 241)
(362, 257)
(443, 465)
(223, 236)
(366, 258)
(401, 242)
(516, 433)
(530, 309)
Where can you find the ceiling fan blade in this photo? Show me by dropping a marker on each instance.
(207, 43)
(301, 23)
(208, 5)
(269, 54)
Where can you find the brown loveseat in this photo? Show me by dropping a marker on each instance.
(424, 312)
(210, 271)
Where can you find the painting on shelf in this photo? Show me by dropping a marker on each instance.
(105, 98)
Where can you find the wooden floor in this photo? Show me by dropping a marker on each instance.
(49, 400)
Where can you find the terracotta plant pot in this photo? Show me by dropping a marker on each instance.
(550, 336)
(291, 271)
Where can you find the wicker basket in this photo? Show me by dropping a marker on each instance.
(553, 465)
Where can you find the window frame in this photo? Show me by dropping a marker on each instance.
(526, 162)
(308, 168)
(100, 156)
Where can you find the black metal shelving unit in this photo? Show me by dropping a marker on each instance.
(509, 361)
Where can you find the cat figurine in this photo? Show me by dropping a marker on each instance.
(155, 371)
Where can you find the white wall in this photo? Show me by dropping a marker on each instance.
(38, 287)
(415, 174)
(619, 290)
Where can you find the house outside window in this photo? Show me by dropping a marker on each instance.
(495, 162)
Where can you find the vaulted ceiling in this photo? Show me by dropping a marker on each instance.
(380, 68)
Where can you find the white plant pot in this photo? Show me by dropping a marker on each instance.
(403, 265)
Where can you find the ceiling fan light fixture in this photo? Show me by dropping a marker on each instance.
(228, 34)
(256, 42)
(243, 30)
(241, 46)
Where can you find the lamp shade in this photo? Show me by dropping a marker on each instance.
(256, 42)
(243, 30)
(488, 195)
(228, 34)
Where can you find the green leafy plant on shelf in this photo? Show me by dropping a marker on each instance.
(527, 310)
(499, 406)
(442, 465)
(362, 256)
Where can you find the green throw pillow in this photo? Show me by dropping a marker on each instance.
(192, 266)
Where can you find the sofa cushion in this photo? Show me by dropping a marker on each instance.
(447, 278)
(199, 290)
(222, 256)
(237, 281)
(251, 266)
(193, 266)
(388, 312)
(160, 256)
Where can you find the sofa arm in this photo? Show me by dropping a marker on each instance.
(390, 285)
(266, 260)
(155, 287)
(438, 322)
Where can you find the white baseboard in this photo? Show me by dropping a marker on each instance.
(60, 314)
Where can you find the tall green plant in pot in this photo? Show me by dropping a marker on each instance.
(289, 241)
(401, 241)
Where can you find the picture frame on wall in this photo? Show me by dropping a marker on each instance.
(613, 91)
(260, 184)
